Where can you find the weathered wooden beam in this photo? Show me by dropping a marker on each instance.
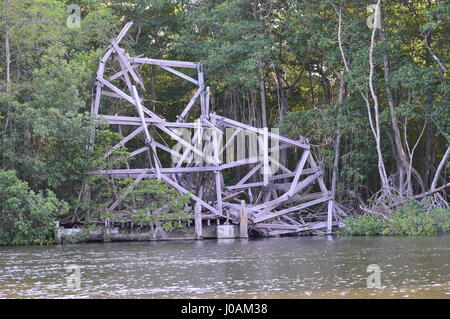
(170, 63)
(124, 31)
(191, 103)
(129, 189)
(164, 170)
(243, 222)
(262, 217)
(311, 226)
(126, 64)
(298, 172)
(180, 74)
(235, 124)
(124, 140)
(135, 121)
(147, 133)
(120, 73)
(249, 174)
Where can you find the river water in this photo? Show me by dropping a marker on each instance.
(306, 267)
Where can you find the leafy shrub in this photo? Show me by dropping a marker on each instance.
(413, 220)
(410, 219)
(26, 217)
(362, 225)
(153, 203)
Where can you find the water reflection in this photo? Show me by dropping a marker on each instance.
(277, 268)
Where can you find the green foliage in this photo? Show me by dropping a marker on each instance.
(289, 48)
(26, 217)
(152, 203)
(415, 220)
(412, 219)
(362, 225)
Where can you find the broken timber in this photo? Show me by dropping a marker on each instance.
(276, 203)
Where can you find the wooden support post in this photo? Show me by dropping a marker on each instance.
(198, 221)
(57, 233)
(243, 221)
(330, 216)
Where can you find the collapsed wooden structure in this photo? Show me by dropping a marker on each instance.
(277, 202)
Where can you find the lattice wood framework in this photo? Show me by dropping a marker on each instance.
(277, 203)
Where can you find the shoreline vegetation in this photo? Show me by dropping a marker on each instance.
(370, 96)
(29, 218)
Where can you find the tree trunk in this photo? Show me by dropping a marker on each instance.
(440, 167)
(400, 152)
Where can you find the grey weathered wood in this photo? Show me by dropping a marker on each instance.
(291, 209)
(129, 189)
(298, 172)
(198, 221)
(277, 200)
(158, 62)
(180, 74)
(243, 222)
(190, 104)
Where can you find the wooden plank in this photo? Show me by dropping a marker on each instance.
(249, 174)
(191, 103)
(139, 151)
(123, 31)
(231, 196)
(208, 93)
(311, 226)
(126, 66)
(116, 90)
(218, 191)
(298, 172)
(185, 191)
(282, 139)
(123, 141)
(241, 162)
(314, 166)
(305, 171)
(164, 170)
(198, 221)
(243, 221)
(330, 215)
(244, 186)
(120, 73)
(180, 74)
(170, 63)
(121, 197)
(307, 181)
(147, 133)
(260, 218)
(265, 146)
(134, 121)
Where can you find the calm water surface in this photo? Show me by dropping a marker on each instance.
(310, 267)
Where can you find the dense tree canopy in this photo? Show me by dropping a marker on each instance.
(373, 101)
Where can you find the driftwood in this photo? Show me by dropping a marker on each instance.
(275, 202)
